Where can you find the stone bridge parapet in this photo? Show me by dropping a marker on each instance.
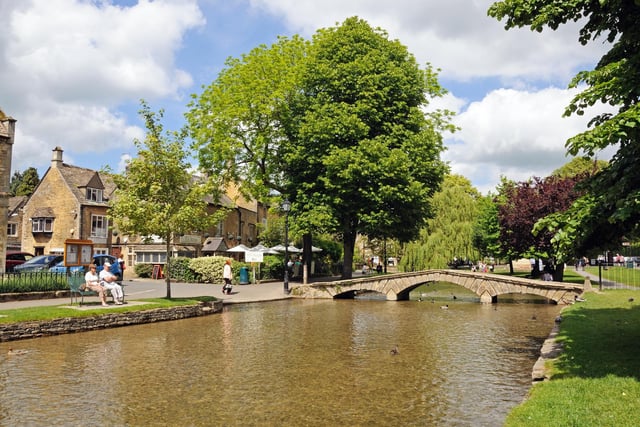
(487, 286)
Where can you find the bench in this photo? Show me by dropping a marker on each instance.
(76, 289)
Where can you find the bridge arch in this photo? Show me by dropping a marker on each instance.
(398, 286)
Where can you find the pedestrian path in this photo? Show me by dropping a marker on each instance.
(142, 289)
(606, 284)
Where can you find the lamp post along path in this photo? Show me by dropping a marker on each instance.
(286, 207)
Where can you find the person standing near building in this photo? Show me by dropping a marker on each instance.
(227, 275)
(110, 282)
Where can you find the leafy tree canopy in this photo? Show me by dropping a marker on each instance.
(449, 233)
(335, 125)
(527, 202)
(25, 183)
(158, 194)
(612, 203)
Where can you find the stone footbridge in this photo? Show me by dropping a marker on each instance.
(398, 286)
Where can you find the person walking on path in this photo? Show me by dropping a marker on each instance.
(109, 281)
(227, 275)
(92, 282)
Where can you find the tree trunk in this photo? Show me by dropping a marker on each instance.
(558, 273)
(510, 266)
(307, 254)
(348, 248)
(167, 267)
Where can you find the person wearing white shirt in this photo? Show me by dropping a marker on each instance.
(92, 282)
(109, 281)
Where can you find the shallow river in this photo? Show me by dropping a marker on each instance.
(285, 363)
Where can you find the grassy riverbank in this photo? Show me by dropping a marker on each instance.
(30, 314)
(595, 381)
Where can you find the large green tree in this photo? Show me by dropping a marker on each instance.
(335, 125)
(610, 209)
(365, 157)
(158, 193)
(449, 233)
(486, 229)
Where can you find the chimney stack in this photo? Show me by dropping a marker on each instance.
(56, 160)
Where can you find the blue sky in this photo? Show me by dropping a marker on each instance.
(73, 72)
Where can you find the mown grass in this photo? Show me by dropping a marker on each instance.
(30, 314)
(627, 276)
(595, 381)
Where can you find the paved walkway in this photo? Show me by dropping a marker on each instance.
(146, 288)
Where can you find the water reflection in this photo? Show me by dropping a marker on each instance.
(285, 363)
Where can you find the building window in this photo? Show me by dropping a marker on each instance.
(42, 225)
(12, 229)
(151, 257)
(98, 226)
(252, 232)
(94, 194)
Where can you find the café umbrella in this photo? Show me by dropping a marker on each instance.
(291, 248)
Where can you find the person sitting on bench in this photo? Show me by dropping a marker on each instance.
(92, 282)
(109, 281)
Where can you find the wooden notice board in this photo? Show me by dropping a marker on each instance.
(78, 252)
(157, 272)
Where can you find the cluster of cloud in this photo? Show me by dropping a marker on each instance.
(68, 67)
(73, 71)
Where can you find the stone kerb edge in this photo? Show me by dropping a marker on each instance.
(26, 330)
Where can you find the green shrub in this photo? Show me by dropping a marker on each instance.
(209, 269)
(272, 267)
(181, 271)
(143, 271)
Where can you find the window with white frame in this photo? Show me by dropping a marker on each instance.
(42, 225)
(99, 226)
(94, 194)
(151, 257)
(12, 229)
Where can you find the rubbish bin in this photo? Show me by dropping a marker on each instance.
(630, 264)
(244, 276)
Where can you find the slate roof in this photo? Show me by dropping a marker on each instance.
(79, 179)
(16, 203)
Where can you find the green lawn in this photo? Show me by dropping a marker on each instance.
(595, 380)
(60, 311)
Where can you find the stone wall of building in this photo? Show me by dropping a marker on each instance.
(7, 135)
(51, 193)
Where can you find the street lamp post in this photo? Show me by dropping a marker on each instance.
(286, 207)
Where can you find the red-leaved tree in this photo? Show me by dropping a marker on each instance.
(522, 205)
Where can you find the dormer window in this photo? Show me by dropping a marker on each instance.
(94, 194)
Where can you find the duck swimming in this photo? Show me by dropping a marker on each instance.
(16, 352)
(394, 351)
(445, 307)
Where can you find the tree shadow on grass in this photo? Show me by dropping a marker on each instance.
(600, 341)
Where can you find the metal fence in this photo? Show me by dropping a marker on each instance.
(36, 281)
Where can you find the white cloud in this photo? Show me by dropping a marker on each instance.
(518, 131)
(71, 64)
(454, 35)
(511, 133)
(74, 70)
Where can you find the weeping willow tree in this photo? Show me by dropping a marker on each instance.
(450, 232)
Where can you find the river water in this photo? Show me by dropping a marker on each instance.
(300, 362)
